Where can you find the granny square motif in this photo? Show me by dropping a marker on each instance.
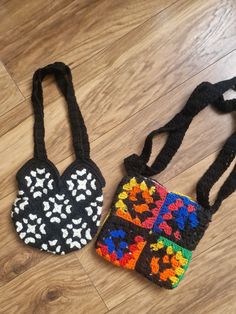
(164, 262)
(154, 231)
(148, 204)
(120, 246)
(151, 218)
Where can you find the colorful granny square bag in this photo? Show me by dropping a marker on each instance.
(54, 213)
(152, 230)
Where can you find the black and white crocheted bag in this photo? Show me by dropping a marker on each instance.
(54, 213)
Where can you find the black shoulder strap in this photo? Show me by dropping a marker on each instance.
(63, 78)
(206, 93)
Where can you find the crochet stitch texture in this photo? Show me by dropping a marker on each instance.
(52, 212)
(154, 231)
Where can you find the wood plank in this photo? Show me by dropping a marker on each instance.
(56, 285)
(10, 95)
(145, 63)
(127, 283)
(131, 62)
(15, 115)
(16, 17)
(16, 145)
(17, 258)
(78, 29)
(208, 287)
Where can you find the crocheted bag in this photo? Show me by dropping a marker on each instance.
(57, 213)
(152, 230)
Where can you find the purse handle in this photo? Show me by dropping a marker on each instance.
(205, 94)
(63, 79)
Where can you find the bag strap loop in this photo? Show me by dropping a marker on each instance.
(63, 79)
(205, 94)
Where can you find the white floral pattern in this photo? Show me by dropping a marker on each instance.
(30, 229)
(40, 182)
(81, 184)
(57, 208)
(73, 215)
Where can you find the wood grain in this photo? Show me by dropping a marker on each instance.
(138, 68)
(134, 65)
(103, 150)
(10, 95)
(72, 31)
(56, 285)
(15, 258)
(14, 116)
(206, 283)
(126, 283)
(59, 142)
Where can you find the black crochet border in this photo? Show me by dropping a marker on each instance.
(89, 164)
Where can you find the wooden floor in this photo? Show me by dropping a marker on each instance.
(134, 64)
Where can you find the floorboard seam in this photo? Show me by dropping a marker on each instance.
(92, 282)
(108, 46)
(5, 67)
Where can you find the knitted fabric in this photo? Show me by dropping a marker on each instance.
(54, 213)
(152, 230)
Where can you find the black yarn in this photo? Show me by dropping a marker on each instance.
(205, 94)
(63, 78)
(154, 231)
(52, 212)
